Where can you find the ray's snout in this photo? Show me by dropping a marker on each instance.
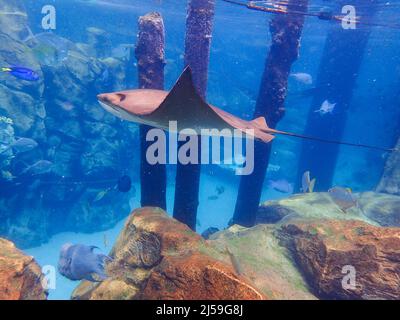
(113, 98)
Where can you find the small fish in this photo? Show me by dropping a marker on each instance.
(213, 198)
(39, 167)
(326, 107)
(274, 167)
(305, 78)
(7, 175)
(343, 197)
(281, 186)
(122, 52)
(22, 145)
(79, 262)
(306, 183)
(101, 195)
(124, 184)
(220, 190)
(235, 263)
(21, 73)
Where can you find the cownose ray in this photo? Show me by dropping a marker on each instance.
(157, 108)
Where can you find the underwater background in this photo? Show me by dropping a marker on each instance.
(64, 189)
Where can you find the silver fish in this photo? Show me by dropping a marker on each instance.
(302, 77)
(21, 145)
(307, 185)
(281, 186)
(343, 197)
(326, 107)
(39, 167)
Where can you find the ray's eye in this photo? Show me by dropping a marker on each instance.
(121, 97)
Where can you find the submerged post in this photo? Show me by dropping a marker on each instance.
(339, 68)
(199, 25)
(286, 33)
(150, 55)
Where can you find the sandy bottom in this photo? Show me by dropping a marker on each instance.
(212, 213)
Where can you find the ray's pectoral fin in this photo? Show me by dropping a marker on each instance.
(185, 106)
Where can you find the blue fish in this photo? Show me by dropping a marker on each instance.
(22, 73)
(79, 262)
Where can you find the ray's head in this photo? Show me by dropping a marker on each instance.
(124, 104)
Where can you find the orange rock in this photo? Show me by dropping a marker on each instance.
(328, 251)
(174, 235)
(20, 275)
(197, 277)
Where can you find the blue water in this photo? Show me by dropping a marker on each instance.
(93, 159)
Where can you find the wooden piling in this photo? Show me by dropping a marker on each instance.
(286, 33)
(199, 25)
(151, 61)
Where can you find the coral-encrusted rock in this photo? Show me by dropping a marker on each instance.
(328, 250)
(157, 257)
(20, 276)
(264, 261)
(197, 276)
(373, 208)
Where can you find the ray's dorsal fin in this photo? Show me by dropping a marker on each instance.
(184, 105)
(260, 121)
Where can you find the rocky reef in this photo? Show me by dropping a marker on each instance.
(306, 253)
(373, 208)
(20, 276)
(84, 148)
(327, 250)
(325, 243)
(157, 257)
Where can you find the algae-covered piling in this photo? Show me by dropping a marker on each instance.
(199, 25)
(151, 62)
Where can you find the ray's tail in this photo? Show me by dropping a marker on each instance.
(300, 136)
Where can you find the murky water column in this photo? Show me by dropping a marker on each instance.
(151, 61)
(199, 26)
(339, 67)
(286, 33)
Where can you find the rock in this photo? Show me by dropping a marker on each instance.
(14, 19)
(157, 257)
(99, 40)
(195, 276)
(325, 251)
(264, 261)
(20, 276)
(83, 142)
(373, 208)
(7, 136)
(381, 208)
